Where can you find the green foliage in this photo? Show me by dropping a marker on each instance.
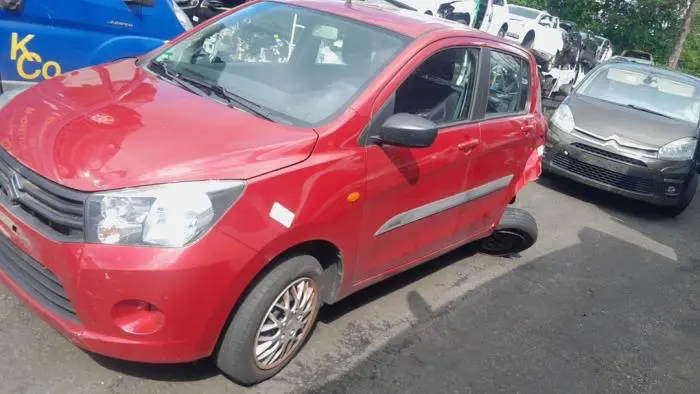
(648, 25)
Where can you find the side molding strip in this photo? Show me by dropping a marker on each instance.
(436, 207)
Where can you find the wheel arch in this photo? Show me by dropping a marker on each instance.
(462, 15)
(327, 253)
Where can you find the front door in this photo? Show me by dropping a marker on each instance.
(507, 137)
(413, 195)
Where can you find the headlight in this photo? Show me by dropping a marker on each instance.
(170, 215)
(682, 149)
(563, 119)
(182, 17)
(8, 95)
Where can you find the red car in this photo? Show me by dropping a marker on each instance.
(207, 198)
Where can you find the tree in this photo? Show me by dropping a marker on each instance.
(685, 30)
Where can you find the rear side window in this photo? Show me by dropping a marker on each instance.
(509, 85)
(499, 2)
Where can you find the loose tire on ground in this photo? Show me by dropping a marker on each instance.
(236, 354)
(516, 232)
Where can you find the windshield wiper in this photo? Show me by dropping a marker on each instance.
(177, 78)
(647, 110)
(232, 98)
(191, 83)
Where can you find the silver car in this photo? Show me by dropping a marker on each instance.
(631, 129)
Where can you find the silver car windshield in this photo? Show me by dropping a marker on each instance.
(289, 62)
(645, 90)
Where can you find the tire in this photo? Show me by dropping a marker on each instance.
(516, 232)
(502, 31)
(684, 200)
(235, 355)
(528, 40)
(464, 19)
(547, 66)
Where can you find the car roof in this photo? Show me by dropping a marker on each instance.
(385, 15)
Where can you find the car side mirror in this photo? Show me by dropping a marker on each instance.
(408, 131)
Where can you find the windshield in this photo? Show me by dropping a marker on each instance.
(645, 89)
(294, 63)
(523, 12)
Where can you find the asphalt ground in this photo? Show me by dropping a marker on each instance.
(607, 301)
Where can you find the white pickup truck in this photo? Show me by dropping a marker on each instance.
(490, 16)
(537, 31)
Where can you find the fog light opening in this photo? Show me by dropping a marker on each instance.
(671, 190)
(138, 317)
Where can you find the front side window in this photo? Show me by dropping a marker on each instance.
(645, 90)
(440, 89)
(499, 2)
(509, 85)
(301, 65)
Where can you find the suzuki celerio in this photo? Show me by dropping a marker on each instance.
(208, 198)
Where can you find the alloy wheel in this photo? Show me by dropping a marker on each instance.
(286, 324)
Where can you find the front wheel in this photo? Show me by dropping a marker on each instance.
(273, 322)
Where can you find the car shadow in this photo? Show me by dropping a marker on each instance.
(182, 372)
(330, 313)
(617, 318)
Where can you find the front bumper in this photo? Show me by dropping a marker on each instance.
(650, 180)
(94, 294)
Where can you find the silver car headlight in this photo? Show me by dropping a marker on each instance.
(679, 150)
(8, 95)
(169, 215)
(563, 119)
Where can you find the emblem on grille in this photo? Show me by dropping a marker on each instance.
(13, 187)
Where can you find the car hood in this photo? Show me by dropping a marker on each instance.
(607, 120)
(116, 126)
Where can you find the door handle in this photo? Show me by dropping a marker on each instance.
(468, 146)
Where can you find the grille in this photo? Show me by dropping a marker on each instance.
(609, 155)
(35, 279)
(59, 209)
(626, 182)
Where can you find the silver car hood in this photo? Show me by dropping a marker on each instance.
(605, 120)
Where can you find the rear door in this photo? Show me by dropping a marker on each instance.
(413, 196)
(507, 139)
